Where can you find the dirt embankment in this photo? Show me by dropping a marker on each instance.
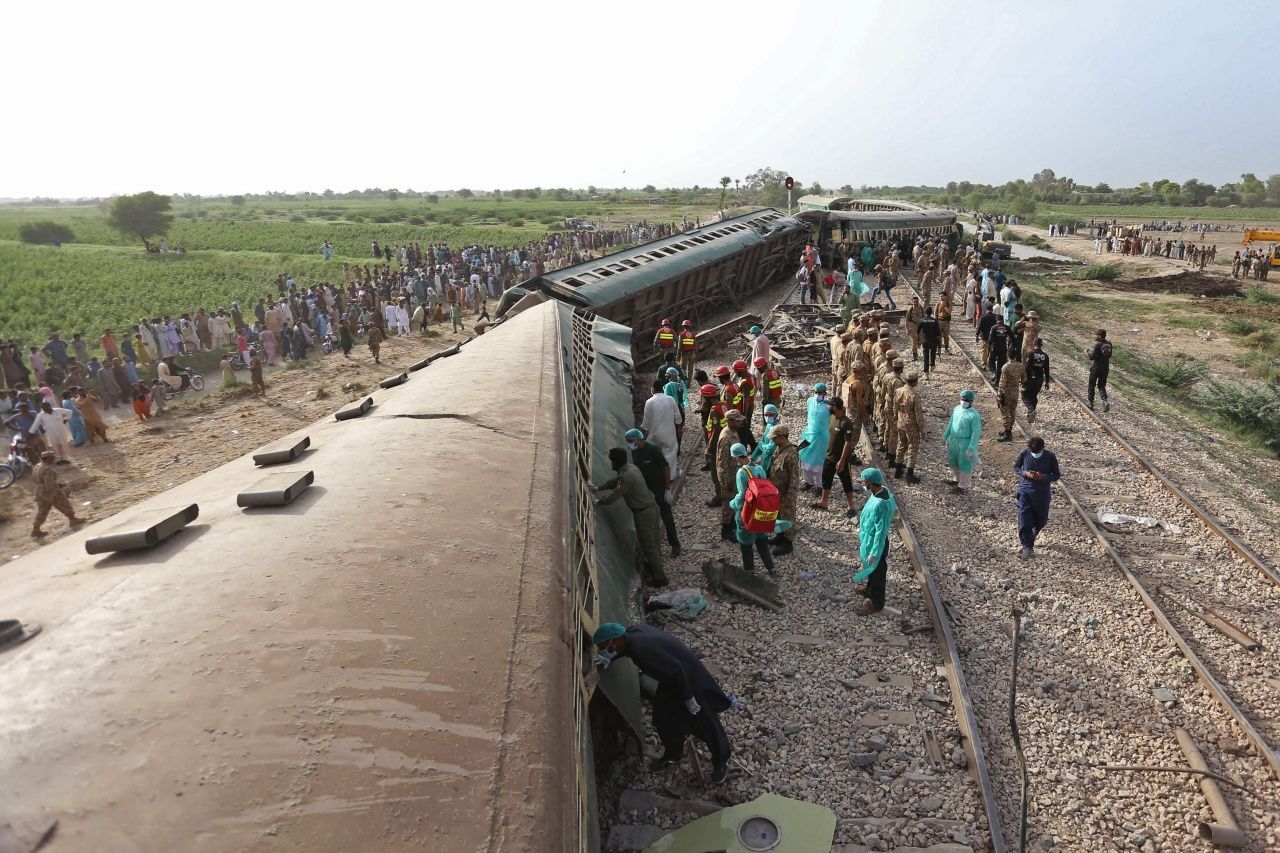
(195, 436)
(1186, 283)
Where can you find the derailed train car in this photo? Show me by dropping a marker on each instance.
(902, 226)
(684, 276)
(398, 659)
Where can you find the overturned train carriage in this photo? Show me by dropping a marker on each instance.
(398, 659)
(831, 227)
(684, 276)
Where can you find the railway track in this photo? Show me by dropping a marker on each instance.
(1210, 595)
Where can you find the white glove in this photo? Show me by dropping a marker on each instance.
(603, 659)
(691, 705)
(591, 487)
(970, 455)
(667, 496)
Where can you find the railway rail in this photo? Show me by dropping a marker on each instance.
(1217, 618)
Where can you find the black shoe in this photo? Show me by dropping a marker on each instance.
(911, 476)
(727, 533)
(662, 762)
(714, 502)
(897, 472)
(706, 467)
(851, 512)
(675, 551)
(719, 773)
(892, 460)
(1005, 436)
(658, 583)
(782, 547)
(1106, 405)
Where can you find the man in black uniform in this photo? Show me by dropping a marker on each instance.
(930, 337)
(1037, 365)
(999, 337)
(1100, 365)
(688, 700)
(657, 476)
(988, 319)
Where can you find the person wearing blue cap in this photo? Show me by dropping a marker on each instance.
(962, 434)
(688, 700)
(762, 455)
(657, 476)
(813, 441)
(746, 539)
(873, 540)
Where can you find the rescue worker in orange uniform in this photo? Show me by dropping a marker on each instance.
(688, 342)
(770, 382)
(665, 339)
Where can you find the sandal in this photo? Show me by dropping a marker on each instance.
(819, 506)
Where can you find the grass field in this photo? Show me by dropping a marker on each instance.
(235, 252)
(1048, 213)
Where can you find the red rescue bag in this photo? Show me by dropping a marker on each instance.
(761, 505)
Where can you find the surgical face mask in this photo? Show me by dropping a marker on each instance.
(771, 419)
(632, 445)
(822, 397)
(966, 403)
(1035, 455)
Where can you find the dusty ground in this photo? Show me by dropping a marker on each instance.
(200, 434)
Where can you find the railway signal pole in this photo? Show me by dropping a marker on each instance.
(790, 184)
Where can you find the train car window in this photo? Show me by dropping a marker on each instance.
(656, 255)
(573, 282)
(604, 272)
(586, 276)
(617, 267)
(630, 263)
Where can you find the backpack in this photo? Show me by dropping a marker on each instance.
(760, 506)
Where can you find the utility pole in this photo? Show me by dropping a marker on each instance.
(790, 185)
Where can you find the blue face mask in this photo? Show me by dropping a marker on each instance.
(770, 419)
(632, 445)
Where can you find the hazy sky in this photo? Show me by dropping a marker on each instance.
(249, 97)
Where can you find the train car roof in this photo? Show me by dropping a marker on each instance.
(382, 664)
(607, 279)
(873, 219)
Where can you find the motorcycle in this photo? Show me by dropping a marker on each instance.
(190, 379)
(328, 343)
(239, 361)
(16, 465)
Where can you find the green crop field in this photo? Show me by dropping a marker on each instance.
(235, 252)
(1046, 213)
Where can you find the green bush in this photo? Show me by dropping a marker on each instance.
(1242, 326)
(1179, 372)
(1099, 272)
(1251, 406)
(45, 232)
(1259, 295)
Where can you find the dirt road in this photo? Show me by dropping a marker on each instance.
(199, 434)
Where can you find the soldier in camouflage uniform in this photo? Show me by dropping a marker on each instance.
(910, 427)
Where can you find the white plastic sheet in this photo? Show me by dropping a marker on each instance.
(1107, 515)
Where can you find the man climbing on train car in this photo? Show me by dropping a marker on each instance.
(665, 338)
(688, 701)
(630, 486)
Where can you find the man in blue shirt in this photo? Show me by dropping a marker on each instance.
(56, 349)
(1036, 468)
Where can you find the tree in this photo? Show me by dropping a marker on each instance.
(1196, 192)
(465, 193)
(432, 198)
(393, 194)
(145, 215)
(237, 200)
(975, 200)
(724, 185)
(45, 232)
(1045, 181)
(649, 188)
(497, 193)
(1024, 207)
(1273, 187)
(1102, 188)
(847, 189)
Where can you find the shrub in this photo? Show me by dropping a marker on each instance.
(1259, 295)
(1252, 406)
(45, 232)
(297, 217)
(1099, 272)
(1242, 326)
(1178, 372)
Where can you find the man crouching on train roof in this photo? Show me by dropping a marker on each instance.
(688, 701)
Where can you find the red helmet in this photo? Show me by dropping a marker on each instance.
(709, 390)
(688, 324)
(722, 371)
(761, 361)
(665, 323)
(740, 366)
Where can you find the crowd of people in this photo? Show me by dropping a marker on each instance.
(1195, 254)
(759, 472)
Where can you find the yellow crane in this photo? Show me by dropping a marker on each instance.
(1265, 235)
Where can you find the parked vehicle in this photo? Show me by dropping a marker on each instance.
(15, 465)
